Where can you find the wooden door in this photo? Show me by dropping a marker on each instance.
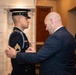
(41, 33)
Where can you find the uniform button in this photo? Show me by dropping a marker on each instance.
(26, 70)
(26, 46)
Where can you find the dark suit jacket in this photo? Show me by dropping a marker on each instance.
(56, 56)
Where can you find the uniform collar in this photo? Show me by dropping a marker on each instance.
(17, 28)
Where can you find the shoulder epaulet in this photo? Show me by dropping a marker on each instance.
(20, 34)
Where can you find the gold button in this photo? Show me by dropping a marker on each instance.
(26, 70)
(26, 46)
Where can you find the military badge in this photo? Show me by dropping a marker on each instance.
(17, 47)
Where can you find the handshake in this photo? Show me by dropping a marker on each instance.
(11, 52)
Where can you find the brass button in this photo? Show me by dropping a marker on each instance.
(26, 70)
(26, 46)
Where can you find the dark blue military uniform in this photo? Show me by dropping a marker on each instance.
(20, 43)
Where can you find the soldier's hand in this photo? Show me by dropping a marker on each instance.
(30, 50)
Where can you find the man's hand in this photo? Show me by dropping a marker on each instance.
(10, 52)
(30, 50)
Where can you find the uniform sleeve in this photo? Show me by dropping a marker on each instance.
(16, 41)
(50, 48)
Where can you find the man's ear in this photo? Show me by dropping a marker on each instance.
(51, 21)
(19, 19)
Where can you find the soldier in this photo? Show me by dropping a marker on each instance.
(18, 40)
